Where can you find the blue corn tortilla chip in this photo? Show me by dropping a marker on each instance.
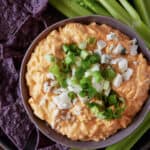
(28, 31)
(15, 124)
(35, 7)
(55, 147)
(8, 80)
(14, 14)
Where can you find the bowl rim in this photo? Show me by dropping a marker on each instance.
(47, 130)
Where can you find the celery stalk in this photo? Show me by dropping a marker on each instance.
(95, 7)
(129, 141)
(63, 8)
(130, 9)
(70, 8)
(115, 9)
(143, 10)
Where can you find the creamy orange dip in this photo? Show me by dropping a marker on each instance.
(75, 119)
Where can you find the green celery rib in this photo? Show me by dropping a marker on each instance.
(115, 9)
(70, 8)
(143, 31)
(74, 6)
(95, 7)
(63, 8)
(129, 141)
(143, 10)
(132, 12)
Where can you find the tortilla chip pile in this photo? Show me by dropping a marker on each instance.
(20, 22)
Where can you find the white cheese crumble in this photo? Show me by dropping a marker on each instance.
(101, 44)
(123, 64)
(62, 101)
(117, 80)
(114, 61)
(46, 87)
(133, 50)
(59, 90)
(105, 59)
(50, 76)
(111, 36)
(51, 106)
(126, 75)
(77, 110)
(83, 99)
(134, 41)
(118, 49)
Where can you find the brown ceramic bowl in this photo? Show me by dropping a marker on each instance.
(43, 126)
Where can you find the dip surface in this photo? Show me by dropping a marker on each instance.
(74, 118)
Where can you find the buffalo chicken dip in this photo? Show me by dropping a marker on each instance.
(87, 81)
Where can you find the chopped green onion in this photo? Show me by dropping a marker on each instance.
(97, 76)
(70, 58)
(72, 95)
(91, 40)
(109, 74)
(112, 99)
(84, 54)
(82, 45)
(50, 58)
(94, 58)
(82, 94)
(106, 85)
(65, 48)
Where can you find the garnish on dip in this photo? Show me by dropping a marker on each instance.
(87, 76)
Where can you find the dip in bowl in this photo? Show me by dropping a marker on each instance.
(86, 80)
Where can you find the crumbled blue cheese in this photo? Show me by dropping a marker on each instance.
(127, 75)
(75, 88)
(101, 44)
(114, 61)
(50, 76)
(82, 45)
(117, 80)
(123, 64)
(118, 49)
(83, 99)
(133, 50)
(77, 110)
(62, 101)
(46, 87)
(105, 59)
(59, 90)
(134, 41)
(111, 36)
